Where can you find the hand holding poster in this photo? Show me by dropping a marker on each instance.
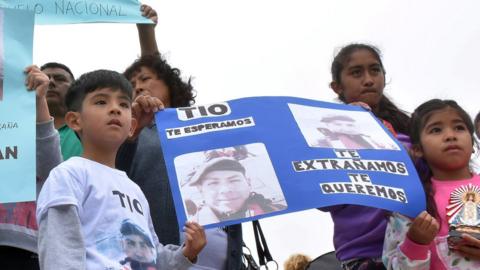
(80, 11)
(17, 109)
(251, 158)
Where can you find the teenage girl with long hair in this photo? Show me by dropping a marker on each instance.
(358, 78)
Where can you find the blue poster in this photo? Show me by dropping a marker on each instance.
(80, 11)
(17, 108)
(251, 158)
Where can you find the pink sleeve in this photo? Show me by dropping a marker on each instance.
(413, 250)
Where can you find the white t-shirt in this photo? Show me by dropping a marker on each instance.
(113, 212)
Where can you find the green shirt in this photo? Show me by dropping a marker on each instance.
(69, 143)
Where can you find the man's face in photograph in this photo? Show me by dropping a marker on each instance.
(225, 191)
(137, 249)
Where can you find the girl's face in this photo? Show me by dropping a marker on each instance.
(446, 145)
(362, 79)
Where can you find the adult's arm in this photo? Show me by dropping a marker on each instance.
(146, 32)
(48, 150)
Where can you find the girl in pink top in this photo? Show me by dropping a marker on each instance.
(442, 136)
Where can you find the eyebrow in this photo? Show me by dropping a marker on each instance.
(355, 67)
(96, 95)
(437, 123)
(361, 66)
(123, 96)
(230, 177)
(100, 95)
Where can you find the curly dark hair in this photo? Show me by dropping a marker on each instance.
(181, 93)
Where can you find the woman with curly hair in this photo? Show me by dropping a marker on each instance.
(156, 85)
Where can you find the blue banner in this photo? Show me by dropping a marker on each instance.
(256, 157)
(17, 108)
(80, 11)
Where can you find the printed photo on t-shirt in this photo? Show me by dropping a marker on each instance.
(130, 245)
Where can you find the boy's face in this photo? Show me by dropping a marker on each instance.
(146, 82)
(105, 118)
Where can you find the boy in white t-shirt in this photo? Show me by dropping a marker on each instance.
(91, 215)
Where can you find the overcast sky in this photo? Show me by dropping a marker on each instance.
(235, 49)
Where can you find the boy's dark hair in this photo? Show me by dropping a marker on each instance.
(419, 118)
(386, 109)
(476, 122)
(92, 81)
(181, 93)
(58, 65)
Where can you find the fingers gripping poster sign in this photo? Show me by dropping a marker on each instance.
(80, 11)
(256, 157)
(17, 108)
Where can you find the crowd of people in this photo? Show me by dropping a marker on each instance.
(109, 205)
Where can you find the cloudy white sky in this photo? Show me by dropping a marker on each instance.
(236, 49)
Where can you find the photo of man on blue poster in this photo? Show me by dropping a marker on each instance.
(221, 189)
(330, 128)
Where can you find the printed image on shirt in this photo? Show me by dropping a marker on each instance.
(228, 183)
(330, 128)
(131, 246)
(463, 212)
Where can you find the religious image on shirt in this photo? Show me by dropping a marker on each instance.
(130, 245)
(463, 211)
(228, 183)
(339, 129)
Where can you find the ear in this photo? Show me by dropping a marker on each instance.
(73, 121)
(336, 87)
(133, 127)
(416, 151)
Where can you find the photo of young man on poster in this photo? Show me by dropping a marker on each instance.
(221, 188)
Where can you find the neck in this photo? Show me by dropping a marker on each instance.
(460, 174)
(104, 155)
(58, 122)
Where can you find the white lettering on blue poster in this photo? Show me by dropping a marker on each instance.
(257, 157)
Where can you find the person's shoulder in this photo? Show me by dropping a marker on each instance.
(71, 164)
(149, 133)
